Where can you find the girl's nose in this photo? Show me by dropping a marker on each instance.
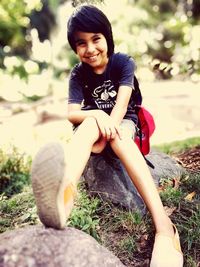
(90, 48)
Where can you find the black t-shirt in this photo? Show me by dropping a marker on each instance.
(99, 91)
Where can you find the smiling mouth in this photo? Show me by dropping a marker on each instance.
(92, 58)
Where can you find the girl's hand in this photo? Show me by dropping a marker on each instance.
(109, 130)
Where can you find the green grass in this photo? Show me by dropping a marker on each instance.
(186, 215)
(127, 234)
(179, 146)
(18, 210)
(14, 172)
(84, 216)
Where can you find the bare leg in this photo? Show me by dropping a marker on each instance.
(140, 175)
(166, 250)
(55, 173)
(80, 147)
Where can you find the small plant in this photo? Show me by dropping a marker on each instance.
(14, 172)
(128, 244)
(84, 216)
(191, 183)
(18, 210)
(171, 196)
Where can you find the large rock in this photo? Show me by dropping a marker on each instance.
(165, 167)
(106, 176)
(37, 246)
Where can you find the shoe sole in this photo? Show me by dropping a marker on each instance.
(49, 186)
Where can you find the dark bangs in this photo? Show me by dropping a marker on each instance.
(90, 19)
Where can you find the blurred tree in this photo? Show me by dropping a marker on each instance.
(13, 23)
(174, 21)
(43, 20)
(17, 16)
(162, 32)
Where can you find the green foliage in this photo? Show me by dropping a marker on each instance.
(191, 230)
(128, 244)
(84, 216)
(171, 196)
(186, 214)
(191, 183)
(160, 35)
(188, 222)
(17, 211)
(14, 172)
(14, 20)
(179, 146)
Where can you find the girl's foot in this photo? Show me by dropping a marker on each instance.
(167, 250)
(54, 193)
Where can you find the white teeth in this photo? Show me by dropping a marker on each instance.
(93, 57)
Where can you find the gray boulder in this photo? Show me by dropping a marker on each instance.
(164, 166)
(37, 246)
(106, 176)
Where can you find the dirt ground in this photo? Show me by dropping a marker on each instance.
(190, 159)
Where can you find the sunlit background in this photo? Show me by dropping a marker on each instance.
(35, 59)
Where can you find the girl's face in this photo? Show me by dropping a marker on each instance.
(92, 49)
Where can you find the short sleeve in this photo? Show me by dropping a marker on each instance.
(75, 94)
(127, 72)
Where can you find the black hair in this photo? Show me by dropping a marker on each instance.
(89, 18)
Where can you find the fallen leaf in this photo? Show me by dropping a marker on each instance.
(161, 189)
(169, 210)
(190, 196)
(143, 240)
(176, 183)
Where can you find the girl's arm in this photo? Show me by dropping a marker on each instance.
(116, 115)
(120, 108)
(76, 115)
(106, 125)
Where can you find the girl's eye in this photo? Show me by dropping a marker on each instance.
(96, 39)
(80, 43)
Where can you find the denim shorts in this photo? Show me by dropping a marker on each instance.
(128, 128)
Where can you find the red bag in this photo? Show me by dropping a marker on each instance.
(146, 127)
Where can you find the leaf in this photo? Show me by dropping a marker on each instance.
(143, 240)
(24, 217)
(176, 183)
(190, 196)
(169, 210)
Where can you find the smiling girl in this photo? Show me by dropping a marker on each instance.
(101, 106)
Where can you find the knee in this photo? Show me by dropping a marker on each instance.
(121, 143)
(114, 142)
(126, 137)
(90, 122)
(90, 125)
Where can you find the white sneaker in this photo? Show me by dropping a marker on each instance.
(54, 194)
(167, 251)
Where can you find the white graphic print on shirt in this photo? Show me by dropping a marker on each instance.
(104, 95)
